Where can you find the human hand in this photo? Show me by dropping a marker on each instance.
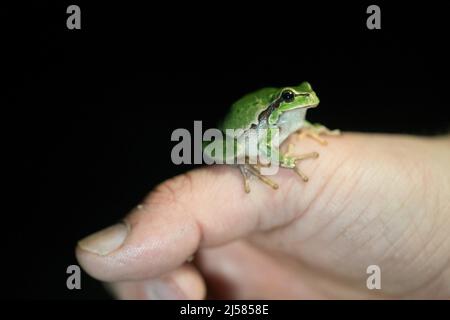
(371, 200)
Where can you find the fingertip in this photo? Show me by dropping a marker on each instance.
(150, 248)
(184, 283)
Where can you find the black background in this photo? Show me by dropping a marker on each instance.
(95, 107)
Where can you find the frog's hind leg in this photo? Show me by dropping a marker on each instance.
(248, 170)
(314, 131)
(289, 161)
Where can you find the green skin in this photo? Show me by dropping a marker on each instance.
(257, 110)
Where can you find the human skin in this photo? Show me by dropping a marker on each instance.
(372, 199)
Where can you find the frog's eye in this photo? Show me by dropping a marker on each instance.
(287, 96)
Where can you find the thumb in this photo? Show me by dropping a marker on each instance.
(201, 208)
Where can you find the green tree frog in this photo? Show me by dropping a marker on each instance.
(283, 109)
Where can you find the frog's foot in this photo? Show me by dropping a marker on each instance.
(248, 170)
(315, 131)
(290, 161)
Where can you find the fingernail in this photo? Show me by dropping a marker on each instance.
(105, 241)
(162, 290)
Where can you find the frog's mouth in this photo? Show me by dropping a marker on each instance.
(312, 106)
(309, 106)
(306, 94)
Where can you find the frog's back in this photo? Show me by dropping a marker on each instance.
(244, 112)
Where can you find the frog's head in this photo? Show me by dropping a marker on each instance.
(290, 98)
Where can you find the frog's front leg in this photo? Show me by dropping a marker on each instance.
(248, 170)
(315, 130)
(287, 160)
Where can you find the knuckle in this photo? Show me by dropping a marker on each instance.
(173, 191)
